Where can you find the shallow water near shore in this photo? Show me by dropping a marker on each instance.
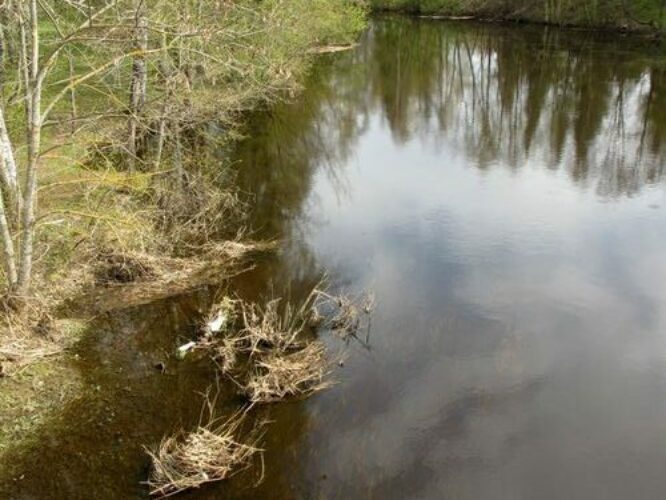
(501, 190)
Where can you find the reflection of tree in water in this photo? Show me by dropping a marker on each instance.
(562, 99)
(567, 101)
(285, 146)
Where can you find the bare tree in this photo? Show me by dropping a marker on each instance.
(139, 80)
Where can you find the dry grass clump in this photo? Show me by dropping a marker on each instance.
(276, 328)
(172, 276)
(30, 334)
(271, 354)
(281, 375)
(118, 267)
(20, 352)
(197, 211)
(211, 453)
(282, 361)
(270, 329)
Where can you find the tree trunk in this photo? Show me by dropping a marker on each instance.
(34, 143)
(165, 76)
(8, 174)
(72, 92)
(138, 85)
(8, 257)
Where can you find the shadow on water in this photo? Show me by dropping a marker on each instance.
(458, 379)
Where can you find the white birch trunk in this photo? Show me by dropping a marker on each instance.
(8, 175)
(8, 256)
(34, 143)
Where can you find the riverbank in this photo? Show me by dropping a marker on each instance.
(646, 16)
(110, 237)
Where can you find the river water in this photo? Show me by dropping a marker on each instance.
(501, 191)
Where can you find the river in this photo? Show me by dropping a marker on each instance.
(501, 191)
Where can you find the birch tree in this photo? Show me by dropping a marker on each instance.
(34, 71)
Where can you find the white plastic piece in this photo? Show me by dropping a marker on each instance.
(185, 348)
(216, 325)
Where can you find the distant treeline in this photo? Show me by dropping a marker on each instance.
(635, 15)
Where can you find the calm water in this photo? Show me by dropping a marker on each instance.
(501, 191)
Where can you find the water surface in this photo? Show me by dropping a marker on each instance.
(501, 191)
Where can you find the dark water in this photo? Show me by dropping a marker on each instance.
(501, 191)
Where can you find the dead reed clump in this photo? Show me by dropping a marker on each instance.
(227, 354)
(271, 353)
(196, 212)
(281, 375)
(272, 328)
(262, 331)
(209, 454)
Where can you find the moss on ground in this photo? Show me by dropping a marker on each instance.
(28, 399)
(34, 392)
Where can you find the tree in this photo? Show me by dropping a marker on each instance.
(33, 73)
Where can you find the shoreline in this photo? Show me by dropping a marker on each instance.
(635, 30)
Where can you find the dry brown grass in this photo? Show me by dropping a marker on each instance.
(123, 267)
(209, 454)
(19, 352)
(281, 375)
(174, 276)
(270, 329)
(277, 327)
(195, 212)
(30, 334)
(282, 361)
(270, 353)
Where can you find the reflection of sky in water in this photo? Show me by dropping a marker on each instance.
(501, 192)
(517, 347)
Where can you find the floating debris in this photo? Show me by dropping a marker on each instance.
(184, 349)
(216, 325)
(329, 49)
(221, 316)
